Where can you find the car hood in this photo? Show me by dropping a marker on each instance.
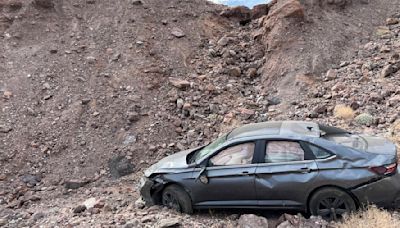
(167, 164)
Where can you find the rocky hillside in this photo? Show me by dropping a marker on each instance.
(93, 90)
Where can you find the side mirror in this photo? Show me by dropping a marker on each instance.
(202, 176)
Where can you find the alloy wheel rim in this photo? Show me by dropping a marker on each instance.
(332, 208)
(171, 202)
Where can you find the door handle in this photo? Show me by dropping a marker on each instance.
(245, 173)
(305, 170)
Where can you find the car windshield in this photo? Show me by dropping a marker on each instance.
(349, 140)
(209, 148)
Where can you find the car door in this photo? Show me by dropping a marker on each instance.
(285, 175)
(228, 179)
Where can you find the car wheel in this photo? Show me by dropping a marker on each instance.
(174, 197)
(331, 203)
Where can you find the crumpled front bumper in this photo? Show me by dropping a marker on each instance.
(383, 193)
(145, 190)
(149, 189)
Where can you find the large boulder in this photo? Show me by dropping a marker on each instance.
(120, 166)
(252, 221)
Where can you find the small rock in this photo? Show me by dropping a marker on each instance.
(46, 85)
(3, 222)
(31, 180)
(90, 203)
(395, 100)
(392, 21)
(79, 209)
(5, 129)
(91, 59)
(274, 100)
(75, 184)
(285, 224)
(139, 203)
(53, 50)
(383, 31)
(344, 63)
(147, 218)
(179, 83)
(169, 222)
(3, 177)
(224, 41)
(7, 94)
(387, 70)
(246, 113)
(186, 106)
(120, 166)
(116, 57)
(331, 74)
(235, 71)
(177, 32)
(251, 72)
(252, 221)
(338, 87)
(38, 215)
(136, 2)
(46, 4)
(179, 103)
(133, 117)
(47, 97)
(321, 109)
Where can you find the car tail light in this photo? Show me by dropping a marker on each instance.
(385, 170)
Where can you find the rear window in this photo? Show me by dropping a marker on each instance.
(283, 151)
(349, 140)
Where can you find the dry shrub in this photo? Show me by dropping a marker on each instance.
(344, 112)
(372, 217)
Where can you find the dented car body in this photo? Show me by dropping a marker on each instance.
(288, 164)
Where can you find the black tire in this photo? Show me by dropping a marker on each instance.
(176, 198)
(331, 203)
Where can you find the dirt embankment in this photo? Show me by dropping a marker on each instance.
(89, 84)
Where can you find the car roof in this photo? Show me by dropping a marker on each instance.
(276, 128)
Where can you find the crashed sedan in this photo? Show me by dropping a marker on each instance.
(306, 166)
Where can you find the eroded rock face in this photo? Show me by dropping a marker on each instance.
(259, 11)
(239, 13)
(244, 15)
(286, 9)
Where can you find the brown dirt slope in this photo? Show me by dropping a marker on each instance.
(85, 81)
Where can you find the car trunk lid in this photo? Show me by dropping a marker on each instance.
(379, 145)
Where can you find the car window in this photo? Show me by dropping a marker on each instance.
(283, 151)
(318, 152)
(235, 155)
(209, 148)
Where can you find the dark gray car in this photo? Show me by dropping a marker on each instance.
(319, 169)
